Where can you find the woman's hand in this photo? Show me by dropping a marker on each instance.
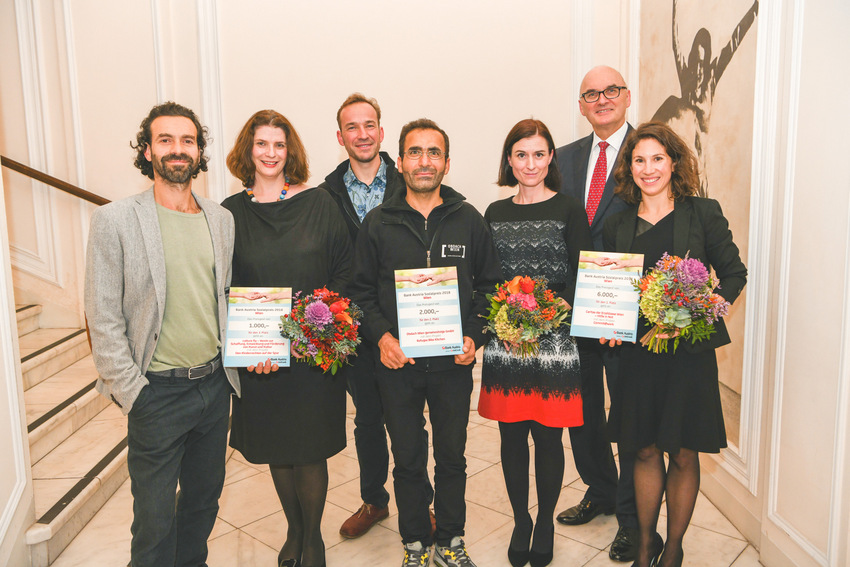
(611, 342)
(263, 367)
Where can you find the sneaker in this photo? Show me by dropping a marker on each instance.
(416, 555)
(454, 555)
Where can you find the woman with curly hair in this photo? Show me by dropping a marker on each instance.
(668, 402)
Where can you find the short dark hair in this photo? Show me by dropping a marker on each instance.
(143, 138)
(521, 130)
(239, 160)
(684, 180)
(420, 124)
(354, 98)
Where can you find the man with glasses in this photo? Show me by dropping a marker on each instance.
(359, 184)
(586, 168)
(428, 225)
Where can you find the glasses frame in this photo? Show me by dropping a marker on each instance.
(598, 94)
(427, 153)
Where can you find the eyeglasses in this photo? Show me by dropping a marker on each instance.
(609, 92)
(433, 153)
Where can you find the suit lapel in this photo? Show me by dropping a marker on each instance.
(626, 233)
(682, 217)
(149, 223)
(579, 168)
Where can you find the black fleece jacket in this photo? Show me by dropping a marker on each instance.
(335, 185)
(394, 236)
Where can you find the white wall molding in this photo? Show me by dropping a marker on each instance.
(837, 544)
(582, 45)
(632, 57)
(210, 70)
(39, 260)
(742, 461)
(157, 52)
(10, 371)
(794, 53)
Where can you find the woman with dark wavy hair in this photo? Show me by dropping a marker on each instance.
(668, 402)
(287, 235)
(538, 232)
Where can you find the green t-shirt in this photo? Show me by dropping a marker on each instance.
(189, 334)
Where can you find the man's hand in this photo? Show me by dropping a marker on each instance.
(263, 367)
(391, 355)
(468, 356)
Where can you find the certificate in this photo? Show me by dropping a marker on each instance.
(428, 302)
(606, 302)
(253, 326)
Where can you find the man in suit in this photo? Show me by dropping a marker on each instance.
(586, 168)
(359, 184)
(157, 270)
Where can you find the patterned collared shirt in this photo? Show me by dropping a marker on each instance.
(366, 197)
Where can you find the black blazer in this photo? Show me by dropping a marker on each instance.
(700, 230)
(572, 164)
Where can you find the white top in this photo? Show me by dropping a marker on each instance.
(615, 142)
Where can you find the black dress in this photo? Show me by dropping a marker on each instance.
(540, 239)
(671, 400)
(297, 414)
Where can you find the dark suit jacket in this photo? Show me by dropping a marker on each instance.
(572, 163)
(701, 231)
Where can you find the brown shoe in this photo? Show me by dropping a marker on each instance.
(362, 520)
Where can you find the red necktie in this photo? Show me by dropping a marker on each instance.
(597, 182)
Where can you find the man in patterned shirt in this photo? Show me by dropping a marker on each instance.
(358, 185)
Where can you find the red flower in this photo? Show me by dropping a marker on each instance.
(526, 284)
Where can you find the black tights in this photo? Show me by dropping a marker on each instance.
(681, 482)
(302, 490)
(549, 471)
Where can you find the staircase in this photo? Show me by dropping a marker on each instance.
(77, 438)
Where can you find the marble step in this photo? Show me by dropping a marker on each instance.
(60, 405)
(27, 316)
(74, 480)
(45, 352)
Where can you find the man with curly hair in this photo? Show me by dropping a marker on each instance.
(157, 267)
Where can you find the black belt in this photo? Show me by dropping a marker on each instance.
(192, 373)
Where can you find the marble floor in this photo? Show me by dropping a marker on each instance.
(251, 525)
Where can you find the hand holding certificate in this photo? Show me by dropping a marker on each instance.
(606, 302)
(429, 322)
(253, 326)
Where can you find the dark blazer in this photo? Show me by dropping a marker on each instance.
(701, 231)
(572, 163)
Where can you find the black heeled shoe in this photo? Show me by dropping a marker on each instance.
(541, 559)
(679, 560)
(656, 547)
(518, 557)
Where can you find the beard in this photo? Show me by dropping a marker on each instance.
(176, 174)
(368, 157)
(423, 185)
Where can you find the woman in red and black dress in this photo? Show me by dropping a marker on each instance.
(538, 232)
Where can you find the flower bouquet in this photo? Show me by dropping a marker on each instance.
(522, 310)
(677, 297)
(323, 328)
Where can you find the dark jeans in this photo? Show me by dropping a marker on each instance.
(590, 445)
(370, 437)
(177, 431)
(405, 392)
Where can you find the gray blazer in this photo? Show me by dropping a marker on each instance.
(125, 289)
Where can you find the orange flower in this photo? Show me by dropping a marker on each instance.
(337, 307)
(343, 317)
(500, 295)
(513, 285)
(526, 284)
